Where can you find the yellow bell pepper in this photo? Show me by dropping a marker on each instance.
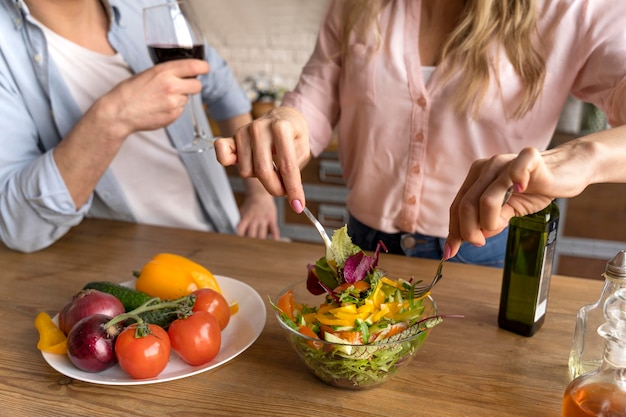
(169, 276)
(368, 307)
(351, 317)
(324, 308)
(378, 296)
(348, 309)
(309, 317)
(388, 281)
(378, 314)
(333, 321)
(51, 338)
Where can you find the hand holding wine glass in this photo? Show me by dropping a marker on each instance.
(172, 33)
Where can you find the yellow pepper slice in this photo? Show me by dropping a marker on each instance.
(348, 309)
(324, 308)
(309, 317)
(350, 316)
(378, 296)
(368, 307)
(233, 306)
(387, 281)
(331, 321)
(170, 276)
(51, 338)
(375, 317)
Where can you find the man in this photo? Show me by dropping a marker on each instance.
(91, 128)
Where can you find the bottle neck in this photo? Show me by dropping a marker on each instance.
(612, 283)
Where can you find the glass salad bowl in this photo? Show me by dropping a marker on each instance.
(337, 356)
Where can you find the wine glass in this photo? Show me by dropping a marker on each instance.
(172, 33)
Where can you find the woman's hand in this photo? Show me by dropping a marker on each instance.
(281, 134)
(479, 210)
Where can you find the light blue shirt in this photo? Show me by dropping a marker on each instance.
(37, 111)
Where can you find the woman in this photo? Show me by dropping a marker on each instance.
(419, 90)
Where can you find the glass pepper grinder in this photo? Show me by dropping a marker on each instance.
(602, 393)
(588, 345)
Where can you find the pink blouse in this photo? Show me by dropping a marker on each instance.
(404, 150)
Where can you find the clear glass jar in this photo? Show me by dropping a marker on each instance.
(588, 345)
(602, 393)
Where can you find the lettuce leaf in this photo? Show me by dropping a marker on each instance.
(341, 248)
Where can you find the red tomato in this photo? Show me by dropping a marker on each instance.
(197, 338)
(143, 357)
(212, 301)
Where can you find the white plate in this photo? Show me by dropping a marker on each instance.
(242, 330)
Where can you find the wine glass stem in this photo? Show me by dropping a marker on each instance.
(199, 133)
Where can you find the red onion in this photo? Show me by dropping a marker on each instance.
(86, 303)
(91, 346)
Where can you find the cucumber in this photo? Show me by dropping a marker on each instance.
(132, 298)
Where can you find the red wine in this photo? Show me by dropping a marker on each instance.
(164, 53)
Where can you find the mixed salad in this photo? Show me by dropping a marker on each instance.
(367, 322)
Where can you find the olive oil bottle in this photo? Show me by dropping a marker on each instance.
(527, 270)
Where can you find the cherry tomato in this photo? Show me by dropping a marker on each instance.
(212, 301)
(145, 356)
(197, 338)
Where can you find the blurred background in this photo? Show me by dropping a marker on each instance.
(271, 36)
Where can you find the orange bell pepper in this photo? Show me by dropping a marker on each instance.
(51, 338)
(169, 276)
(315, 344)
(286, 304)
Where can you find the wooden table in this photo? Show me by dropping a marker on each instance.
(468, 367)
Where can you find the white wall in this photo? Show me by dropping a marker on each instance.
(275, 36)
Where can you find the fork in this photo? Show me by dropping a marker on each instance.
(312, 218)
(318, 226)
(421, 290)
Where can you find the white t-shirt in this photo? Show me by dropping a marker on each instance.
(427, 72)
(147, 167)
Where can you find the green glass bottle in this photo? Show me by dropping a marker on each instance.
(527, 270)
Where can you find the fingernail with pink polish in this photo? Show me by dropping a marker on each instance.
(446, 252)
(296, 205)
(517, 187)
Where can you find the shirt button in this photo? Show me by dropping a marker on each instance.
(421, 102)
(411, 200)
(416, 169)
(37, 58)
(419, 137)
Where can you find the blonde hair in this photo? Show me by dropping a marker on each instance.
(512, 23)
